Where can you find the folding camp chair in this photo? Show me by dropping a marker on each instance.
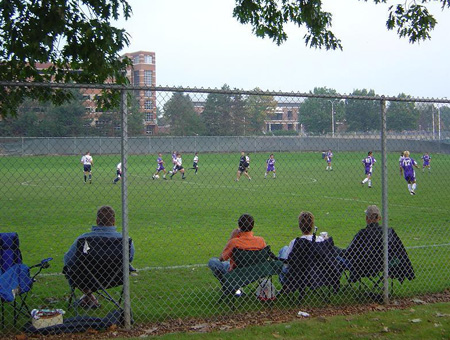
(15, 279)
(312, 265)
(98, 266)
(363, 258)
(251, 265)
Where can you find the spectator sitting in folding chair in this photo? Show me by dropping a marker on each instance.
(310, 260)
(241, 238)
(105, 228)
(364, 256)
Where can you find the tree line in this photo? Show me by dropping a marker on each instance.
(227, 115)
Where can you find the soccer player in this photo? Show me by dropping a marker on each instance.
(407, 165)
(401, 157)
(270, 166)
(426, 162)
(159, 167)
(368, 163)
(178, 167)
(329, 158)
(118, 173)
(244, 163)
(195, 163)
(88, 163)
(174, 162)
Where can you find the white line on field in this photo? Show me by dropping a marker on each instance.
(201, 265)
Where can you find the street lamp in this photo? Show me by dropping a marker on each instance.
(332, 117)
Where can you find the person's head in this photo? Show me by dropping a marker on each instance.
(159, 154)
(178, 154)
(196, 153)
(242, 153)
(406, 153)
(306, 222)
(106, 216)
(271, 155)
(369, 153)
(373, 214)
(87, 153)
(246, 222)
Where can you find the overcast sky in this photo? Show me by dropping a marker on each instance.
(198, 43)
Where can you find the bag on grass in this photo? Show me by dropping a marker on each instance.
(266, 291)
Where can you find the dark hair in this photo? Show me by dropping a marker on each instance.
(106, 216)
(369, 153)
(246, 222)
(306, 222)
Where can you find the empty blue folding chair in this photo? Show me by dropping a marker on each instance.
(15, 278)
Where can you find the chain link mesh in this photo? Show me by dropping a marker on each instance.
(306, 168)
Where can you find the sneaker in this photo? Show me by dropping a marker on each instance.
(153, 177)
(90, 181)
(370, 186)
(164, 178)
(239, 292)
(412, 192)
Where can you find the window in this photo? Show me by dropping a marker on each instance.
(279, 116)
(148, 59)
(147, 77)
(289, 115)
(148, 116)
(136, 79)
(136, 59)
(149, 130)
(148, 105)
(148, 93)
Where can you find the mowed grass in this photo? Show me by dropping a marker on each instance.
(177, 225)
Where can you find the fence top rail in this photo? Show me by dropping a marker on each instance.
(228, 92)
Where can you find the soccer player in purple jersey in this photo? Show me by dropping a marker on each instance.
(368, 163)
(329, 158)
(407, 165)
(270, 166)
(159, 167)
(426, 162)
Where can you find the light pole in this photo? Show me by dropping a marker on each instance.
(432, 113)
(439, 122)
(332, 117)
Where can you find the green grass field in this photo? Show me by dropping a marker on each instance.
(177, 225)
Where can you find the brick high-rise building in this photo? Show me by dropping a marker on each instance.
(143, 73)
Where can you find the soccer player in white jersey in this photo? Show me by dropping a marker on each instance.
(329, 159)
(178, 166)
(195, 163)
(88, 163)
(368, 163)
(118, 173)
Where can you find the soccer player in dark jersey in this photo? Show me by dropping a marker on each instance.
(407, 166)
(426, 158)
(244, 163)
(270, 166)
(159, 167)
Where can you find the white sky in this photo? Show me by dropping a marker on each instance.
(198, 43)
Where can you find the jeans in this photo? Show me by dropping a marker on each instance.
(218, 267)
(282, 254)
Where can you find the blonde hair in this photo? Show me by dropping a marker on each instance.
(306, 222)
(406, 153)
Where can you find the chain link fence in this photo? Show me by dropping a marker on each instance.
(311, 197)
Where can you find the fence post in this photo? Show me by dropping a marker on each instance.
(384, 202)
(125, 244)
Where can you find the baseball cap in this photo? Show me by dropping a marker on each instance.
(372, 211)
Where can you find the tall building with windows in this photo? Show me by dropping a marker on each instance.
(143, 73)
